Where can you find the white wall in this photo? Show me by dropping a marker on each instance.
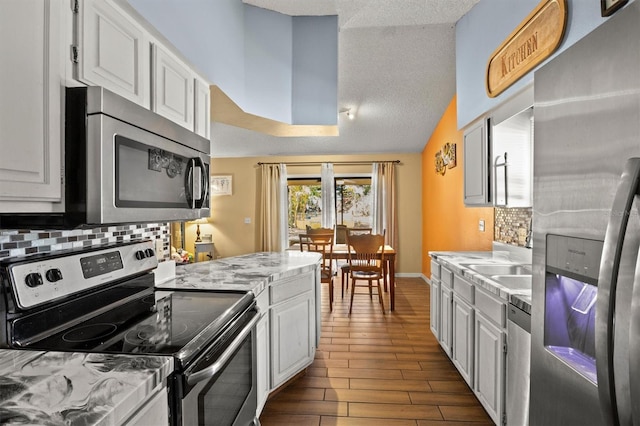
(484, 28)
(315, 70)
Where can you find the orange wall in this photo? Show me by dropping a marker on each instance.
(447, 225)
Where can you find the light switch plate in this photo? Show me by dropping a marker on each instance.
(481, 225)
(247, 220)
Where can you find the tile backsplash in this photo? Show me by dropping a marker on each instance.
(511, 225)
(24, 242)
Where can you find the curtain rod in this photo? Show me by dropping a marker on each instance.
(307, 163)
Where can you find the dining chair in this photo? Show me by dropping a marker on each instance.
(345, 268)
(322, 243)
(366, 260)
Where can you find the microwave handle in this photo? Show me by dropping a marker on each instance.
(196, 183)
(607, 282)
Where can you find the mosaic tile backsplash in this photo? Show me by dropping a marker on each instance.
(25, 242)
(511, 225)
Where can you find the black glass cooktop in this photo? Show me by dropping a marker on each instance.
(161, 323)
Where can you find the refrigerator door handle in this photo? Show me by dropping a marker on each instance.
(634, 347)
(607, 282)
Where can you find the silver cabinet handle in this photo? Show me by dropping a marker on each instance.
(607, 282)
(496, 164)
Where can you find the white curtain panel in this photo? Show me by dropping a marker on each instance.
(274, 208)
(383, 187)
(328, 190)
(284, 208)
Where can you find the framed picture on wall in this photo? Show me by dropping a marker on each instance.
(221, 185)
(607, 7)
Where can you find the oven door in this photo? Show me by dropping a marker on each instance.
(136, 175)
(219, 388)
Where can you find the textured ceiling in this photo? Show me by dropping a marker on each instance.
(396, 72)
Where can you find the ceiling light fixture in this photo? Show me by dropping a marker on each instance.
(347, 111)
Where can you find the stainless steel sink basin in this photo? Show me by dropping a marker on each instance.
(496, 269)
(514, 282)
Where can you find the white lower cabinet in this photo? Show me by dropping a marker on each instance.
(472, 331)
(263, 358)
(292, 337)
(445, 318)
(434, 312)
(490, 366)
(462, 351)
(154, 412)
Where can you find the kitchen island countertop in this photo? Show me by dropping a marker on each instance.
(65, 388)
(250, 272)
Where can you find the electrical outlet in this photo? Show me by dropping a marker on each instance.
(481, 225)
(159, 249)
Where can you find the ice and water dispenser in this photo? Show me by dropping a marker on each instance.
(571, 278)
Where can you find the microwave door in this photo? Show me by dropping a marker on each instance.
(626, 192)
(145, 177)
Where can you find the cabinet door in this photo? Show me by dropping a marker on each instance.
(434, 303)
(476, 166)
(292, 337)
(490, 367)
(113, 51)
(445, 319)
(462, 353)
(173, 88)
(30, 109)
(202, 114)
(262, 352)
(154, 412)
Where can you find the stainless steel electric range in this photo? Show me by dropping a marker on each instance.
(103, 300)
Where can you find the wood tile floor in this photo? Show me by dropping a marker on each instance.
(375, 369)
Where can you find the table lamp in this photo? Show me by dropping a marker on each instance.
(198, 222)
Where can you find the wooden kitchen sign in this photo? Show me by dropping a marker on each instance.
(535, 39)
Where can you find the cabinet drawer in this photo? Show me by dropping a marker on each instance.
(290, 287)
(446, 277)
(463, 288)
(435, 269)
(491, 308)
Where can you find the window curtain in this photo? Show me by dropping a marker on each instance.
(383, 187)
(274, 228)
(328, 190)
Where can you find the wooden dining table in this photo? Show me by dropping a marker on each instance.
(341, 252)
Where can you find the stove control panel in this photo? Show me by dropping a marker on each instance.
(50, 278)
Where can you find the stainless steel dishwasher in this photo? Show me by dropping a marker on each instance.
(518, 363)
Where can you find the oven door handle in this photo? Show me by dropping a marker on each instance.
(198, 376)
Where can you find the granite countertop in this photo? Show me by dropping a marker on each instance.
(456, 261)
(250, 272)
(62, 388)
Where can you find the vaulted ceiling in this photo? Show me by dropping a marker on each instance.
(396, 73)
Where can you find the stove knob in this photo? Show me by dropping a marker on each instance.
(149, 252)
(34, 279)
(140, 255)
(53, 275)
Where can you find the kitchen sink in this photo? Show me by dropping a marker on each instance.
(514, 282)
(496, 269)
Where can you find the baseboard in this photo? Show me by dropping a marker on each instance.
(413, 275)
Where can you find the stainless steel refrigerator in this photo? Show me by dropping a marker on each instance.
(585, 355)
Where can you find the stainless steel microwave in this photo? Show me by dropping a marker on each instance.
(124, 164)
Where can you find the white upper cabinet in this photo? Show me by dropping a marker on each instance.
(202, 115)
(476, 162)
(173, 87)
(113, 51)
(30, 104)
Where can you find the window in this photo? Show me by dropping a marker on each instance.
(353, 204)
